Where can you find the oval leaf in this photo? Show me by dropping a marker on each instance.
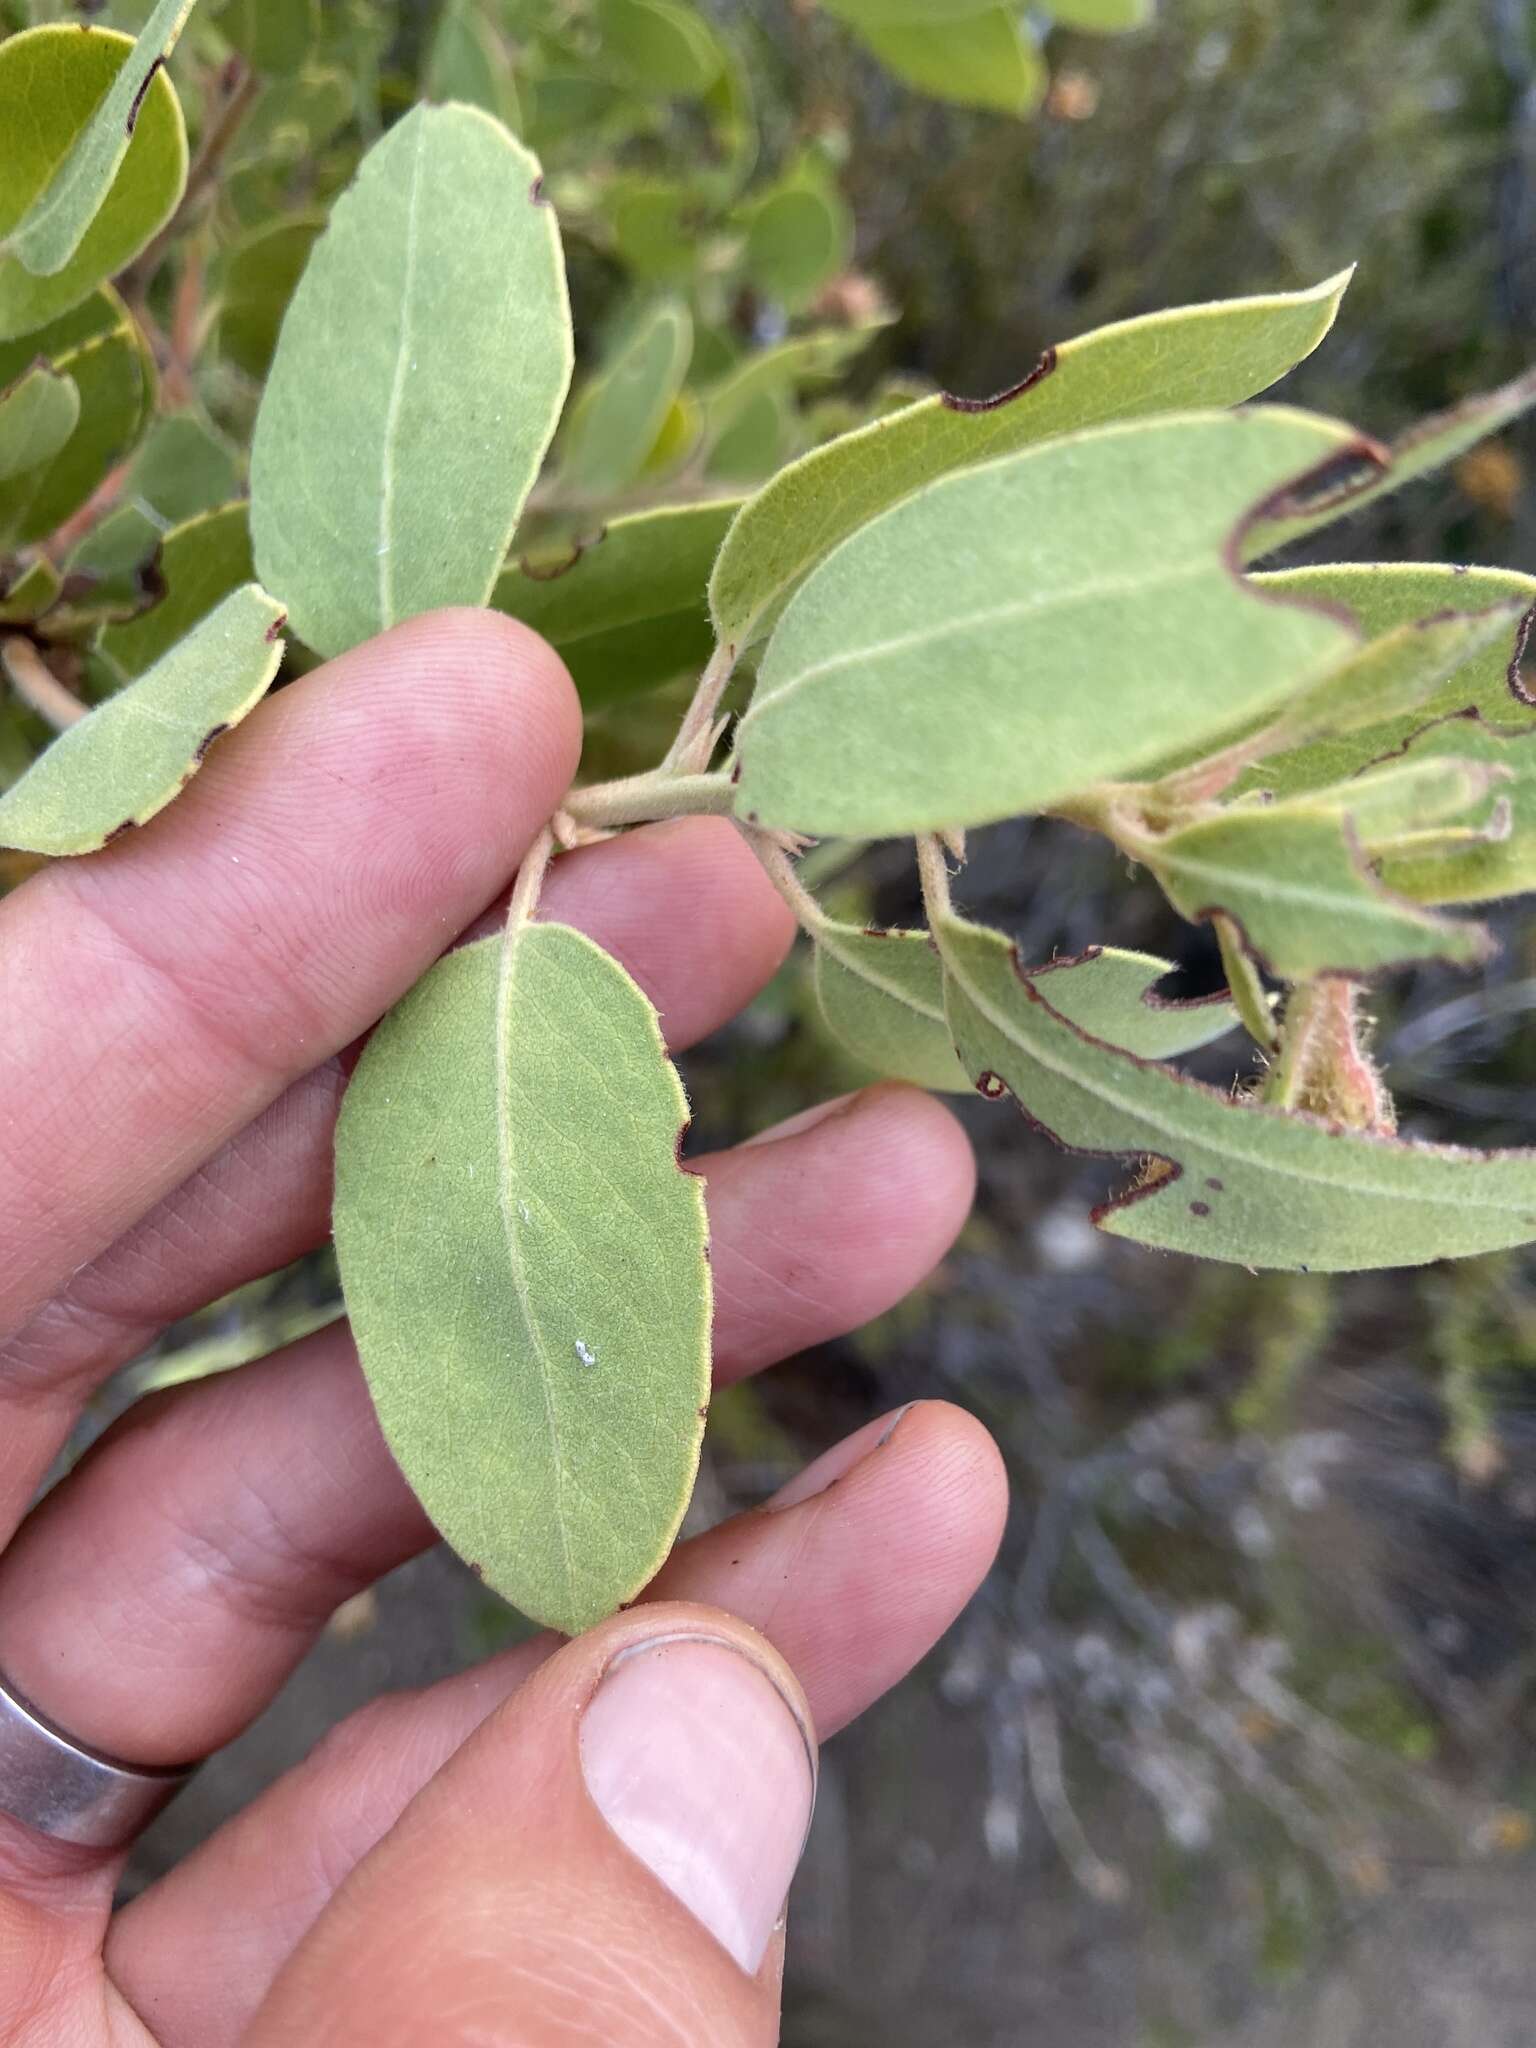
(1196, 356)
(1229, 1179)
(948, 665)
(95, 149)
(613, 426)
(38, 413)
(387, 475)
(525, 1267)
(984, 61)
(129, 757)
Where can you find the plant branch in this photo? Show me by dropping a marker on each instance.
(780, 870)
(37, 686)
(644, 799)
(933, 869)
(694, 735)
(530, 880)
(1249, 997)
(241, 95)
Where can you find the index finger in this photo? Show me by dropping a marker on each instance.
(159, 995)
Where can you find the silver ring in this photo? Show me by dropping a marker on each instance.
(52, 1783)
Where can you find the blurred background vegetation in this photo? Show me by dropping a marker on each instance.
(1236, 1743)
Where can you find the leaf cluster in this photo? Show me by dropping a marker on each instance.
(903, 615)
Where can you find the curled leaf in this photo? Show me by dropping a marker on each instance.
(1221, 1176)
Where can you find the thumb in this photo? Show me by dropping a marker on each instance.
(604, 1860)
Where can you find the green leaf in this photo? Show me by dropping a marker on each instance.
(467, 61)
(260, 277)
(1105, 17)
(985, 60)
(51, 81)
(129, 757)
(625, 612)
(185, 466)
(274, 36)
(781, 372)
(1375, 470)
(660, 46)
(613, 425)
(1231, 1179)
(1197, 356)
(38, 413)
(1296, 880)
(387, 476)
(295, 117)
(49, 235)
(1443, 641)
(882, 994)
(754, 441)
(201, 562)
(114, 571)
(655, 225)
(98, 348)
(948, 666)
(1488, 864)
(539, 1357)
(30, 593)
(799, 235)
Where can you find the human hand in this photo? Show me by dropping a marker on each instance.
(577, 1843)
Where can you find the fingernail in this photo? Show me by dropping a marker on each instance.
(703, 1769)
(806, 1120)
(835, 1464)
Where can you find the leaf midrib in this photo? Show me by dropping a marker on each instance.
(386, 548)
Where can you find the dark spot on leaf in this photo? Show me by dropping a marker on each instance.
(477, 1569)
(276, 627)
(1513, 674)
(876, 931)
(702, 1412)
(536, 192)
(1199, 1208)
(993, 1086)
(1037, 375)
(117, 831)
(546, 572)
(138, 98)
(214, 732)
(1218, 1185)
(1330, 482)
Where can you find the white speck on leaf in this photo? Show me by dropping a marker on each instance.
(585, 1354)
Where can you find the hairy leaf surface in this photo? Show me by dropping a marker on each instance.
(625, 612)
(1425, 447)
(524, 1265)
(1230, 1179)
(882, 994)
(949, 664)
(1296, 880)
(416, 384)
(129, 757)
(1212, 355)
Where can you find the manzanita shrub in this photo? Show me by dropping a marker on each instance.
(950, 613)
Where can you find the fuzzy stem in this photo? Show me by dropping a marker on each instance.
(37, 686)
(530, 880)
(643, 799)
(700, 715)
(933, 870)
(780, 870)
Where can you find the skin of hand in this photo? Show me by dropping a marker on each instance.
(575, 1841)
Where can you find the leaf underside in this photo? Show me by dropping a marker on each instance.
(1228, 1179)
(129, 757)
(525, 1268)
